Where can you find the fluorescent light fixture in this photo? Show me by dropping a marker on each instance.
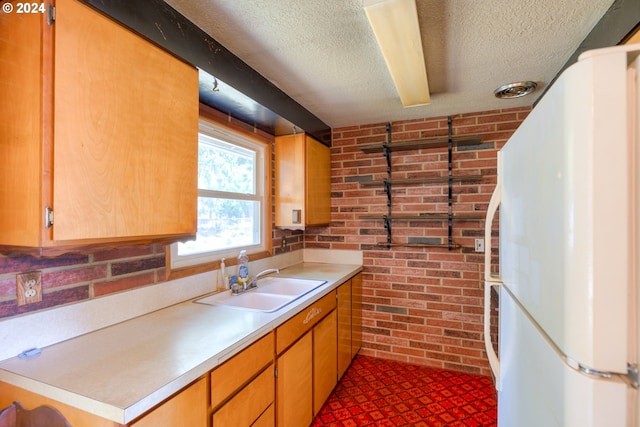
(395, 25)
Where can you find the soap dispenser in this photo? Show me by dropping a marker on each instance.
(224, 280)
(243, 268)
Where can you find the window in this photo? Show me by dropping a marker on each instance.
(231, 198)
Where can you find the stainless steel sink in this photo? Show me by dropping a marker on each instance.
(272, 294)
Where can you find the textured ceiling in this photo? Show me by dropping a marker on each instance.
(323, 53)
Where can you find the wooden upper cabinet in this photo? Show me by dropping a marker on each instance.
(303, 182)
(21, 129)
(99, 125)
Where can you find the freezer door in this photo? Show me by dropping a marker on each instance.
(540, 389)
(565, 213)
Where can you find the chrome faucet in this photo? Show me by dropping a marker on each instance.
(252, 284)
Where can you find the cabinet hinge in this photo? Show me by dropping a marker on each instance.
(634, 377)
(275, 372)
(48, 217)
(51, 14)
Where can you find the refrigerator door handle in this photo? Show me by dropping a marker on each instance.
(494, 361)
(494, 204)
(490, 281)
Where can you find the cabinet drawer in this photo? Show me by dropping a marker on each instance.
(249, 404)
(267, 419)
(295, 327)
(232, 374)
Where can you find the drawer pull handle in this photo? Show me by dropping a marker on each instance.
(312, 313)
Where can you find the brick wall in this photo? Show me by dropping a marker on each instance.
(421, 304)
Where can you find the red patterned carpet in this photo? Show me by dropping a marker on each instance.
(375, 392)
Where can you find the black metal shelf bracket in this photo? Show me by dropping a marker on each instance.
(387, 189)
(387, 148)
(387, 185)
(387, 226)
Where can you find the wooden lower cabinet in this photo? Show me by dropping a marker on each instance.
(243, 388)
(267, 419)
(356, 314)
(188, 408)
(325, 360)
(311, 351)
(306, 362)
(293, 384)
(247, 407)
(30, 400)
(349, 308)
(344, 327)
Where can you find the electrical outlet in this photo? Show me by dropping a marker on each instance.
(29, 287)
(283, 244)
(479, 245)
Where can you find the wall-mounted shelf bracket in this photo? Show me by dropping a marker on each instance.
(387, 190)
(387, 226)
(387, 147)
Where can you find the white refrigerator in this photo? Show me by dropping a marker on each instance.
(566, 272)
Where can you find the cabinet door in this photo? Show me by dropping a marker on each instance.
(318, 183)
(289, 180)
(125, 134)
(187, 408)
(267, 419)
(356, 314)
(325, 363)
(294, 328)
(20, 128)
(249, 404)
(344, 327)
(303, 182)
(229, 377)
(294, 384)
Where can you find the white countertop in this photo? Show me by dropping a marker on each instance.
(123, 370)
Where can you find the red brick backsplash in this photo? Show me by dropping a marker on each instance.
(421, 305)
(73, 278)
(122, 284)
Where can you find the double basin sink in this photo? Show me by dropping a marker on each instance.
(271, 294)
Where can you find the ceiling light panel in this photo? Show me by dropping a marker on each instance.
(395, 25)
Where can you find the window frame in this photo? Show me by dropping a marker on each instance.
(238, 133)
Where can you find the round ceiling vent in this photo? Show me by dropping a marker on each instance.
(515, 90)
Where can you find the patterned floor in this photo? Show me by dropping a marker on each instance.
(376, 392)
